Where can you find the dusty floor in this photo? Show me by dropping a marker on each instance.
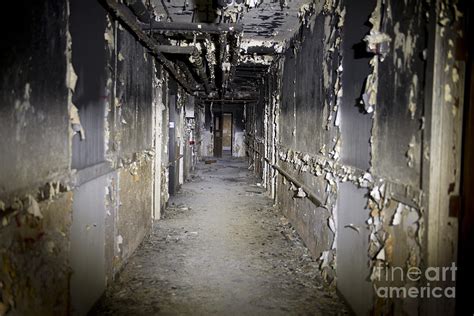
(220, 249)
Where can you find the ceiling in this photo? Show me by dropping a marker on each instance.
(267, 26)
(269, 21)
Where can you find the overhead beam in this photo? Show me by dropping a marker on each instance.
(228, 100)
(124, 16)
(177, 50)
(260, 50)
(180, 27)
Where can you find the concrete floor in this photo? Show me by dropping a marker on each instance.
(221, 248)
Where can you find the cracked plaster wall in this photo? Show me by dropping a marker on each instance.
(35, 207)
(89, 126)
(350, 126)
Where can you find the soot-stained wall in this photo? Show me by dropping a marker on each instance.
(35, 209)
(350, 125)
(34, 118)
(308, 120)
(80, 123)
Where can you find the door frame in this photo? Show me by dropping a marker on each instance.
(217, 128)
(231, 131)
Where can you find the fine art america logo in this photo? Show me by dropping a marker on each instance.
(438, 282)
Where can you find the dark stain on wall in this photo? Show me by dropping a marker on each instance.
(90, 95)
(33, 95)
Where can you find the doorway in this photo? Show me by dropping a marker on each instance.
(223, 130)
(227, 134)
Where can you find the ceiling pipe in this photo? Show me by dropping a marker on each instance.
(184, 67)
(198, 63)
(234, 56)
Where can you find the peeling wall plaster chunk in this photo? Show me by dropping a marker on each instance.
(33, 207)
(369, 97)
(411, 152)
(301, 193)
(376, 193)
(119, 242)
(381, 255)
(71, 77)
(377, 43)
(397, 217)
(448, 97)
(109, 38)
(75, 121)
(412, 97)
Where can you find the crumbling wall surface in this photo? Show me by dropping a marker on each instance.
(255, 131)
(442, 143)
(134, 211)
(356, 125)
(35, 205)
(308, 131)
(398, 113)
(131, 144)
(92, 171)
(82, 98)
(89, 61)
(352, 162)
(394, 96)
(33, 109)
(34, 250)
(135, 73)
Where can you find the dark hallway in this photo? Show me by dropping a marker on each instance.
(236, 157)
(221, 248)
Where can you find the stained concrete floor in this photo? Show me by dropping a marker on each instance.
(222, 249)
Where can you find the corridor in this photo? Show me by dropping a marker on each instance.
(221, 249)
(236, 157)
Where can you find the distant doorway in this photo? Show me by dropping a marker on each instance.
(223, 134)
(227, 134)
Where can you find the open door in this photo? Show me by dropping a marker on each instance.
(218, 135)
(227, 134)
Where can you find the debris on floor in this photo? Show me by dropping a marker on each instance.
(231, 253)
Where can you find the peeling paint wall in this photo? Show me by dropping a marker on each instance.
(309, 137)
(34, 118)
(35, 203)
(78, 154)
(346, 121)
